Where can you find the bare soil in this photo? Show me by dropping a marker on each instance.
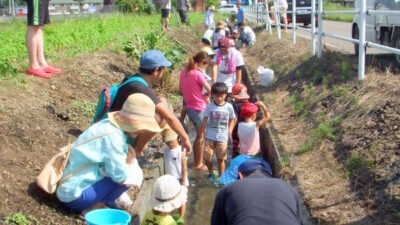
(39, 117)
(354, 177)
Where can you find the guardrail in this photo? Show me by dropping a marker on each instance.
(262, 17)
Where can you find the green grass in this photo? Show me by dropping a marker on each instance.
(68, 37)
(328, 6)
(20, 218)
(354, 163)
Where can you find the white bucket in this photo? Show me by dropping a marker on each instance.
(266, 76)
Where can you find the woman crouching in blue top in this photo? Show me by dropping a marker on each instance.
(102, 164)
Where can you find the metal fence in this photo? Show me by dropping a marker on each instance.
(260, 15)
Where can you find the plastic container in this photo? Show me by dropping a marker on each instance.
(266, 76)
(107, 217)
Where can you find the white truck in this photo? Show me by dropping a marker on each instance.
(381, 29)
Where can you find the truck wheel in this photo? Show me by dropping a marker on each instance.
(306, 24)
(397, 45)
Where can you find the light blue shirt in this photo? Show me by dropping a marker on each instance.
(240, 15)
(108, 153)
(218, 121)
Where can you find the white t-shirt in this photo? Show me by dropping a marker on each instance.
(217, 36)
(208, 35)
(173, 163)
(228, 79)
(249, 33)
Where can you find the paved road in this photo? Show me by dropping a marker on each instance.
(338, 28)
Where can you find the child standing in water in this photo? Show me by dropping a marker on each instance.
(168, 196)
(248, 130)
(175, 162)
(219, 119)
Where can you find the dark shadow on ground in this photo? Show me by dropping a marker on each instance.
(49, 200)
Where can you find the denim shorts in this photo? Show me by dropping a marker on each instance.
(195, 117)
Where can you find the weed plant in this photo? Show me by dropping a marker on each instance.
(354, 163)
(20, 218)
(323, 131)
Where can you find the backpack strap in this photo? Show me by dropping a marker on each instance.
(108, 103)
(135, 78)
(84, 166)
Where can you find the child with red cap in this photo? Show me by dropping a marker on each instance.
(239, 93)
(248, 130)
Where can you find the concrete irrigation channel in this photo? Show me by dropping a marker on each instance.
(201, 192)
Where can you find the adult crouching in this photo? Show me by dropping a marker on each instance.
(108, 162)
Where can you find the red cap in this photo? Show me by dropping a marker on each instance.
(248, 109)
(239, 91)
(223, 42)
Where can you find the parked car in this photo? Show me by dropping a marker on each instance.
(227, 9)
(381, 29)
(303, 8)
(22, 12)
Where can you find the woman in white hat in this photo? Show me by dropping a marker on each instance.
(168, 196)
(101, 166)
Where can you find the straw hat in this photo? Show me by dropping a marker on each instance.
(220, 24)
(207, 50)
(168, 135)
(212, 8)
(168, 194)
(137, 114)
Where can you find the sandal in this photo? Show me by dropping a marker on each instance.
(38, 73)
(52, 70)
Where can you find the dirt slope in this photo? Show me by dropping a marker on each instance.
(341, 136)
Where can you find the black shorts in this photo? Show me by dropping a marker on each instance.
(206, 41)
(164, 13)
(38, 12)
(183, 15)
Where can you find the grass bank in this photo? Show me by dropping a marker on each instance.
(329, 6)
(68, 37)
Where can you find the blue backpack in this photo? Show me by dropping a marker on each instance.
(107, 97)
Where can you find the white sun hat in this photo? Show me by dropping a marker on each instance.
(169, 194)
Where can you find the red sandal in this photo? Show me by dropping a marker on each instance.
(38, 73)
(52, 70)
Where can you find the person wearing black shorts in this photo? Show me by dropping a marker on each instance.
(165, 7)
(38, 16)
(183, 7)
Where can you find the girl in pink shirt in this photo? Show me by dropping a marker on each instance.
(191, 83)
(248, 130)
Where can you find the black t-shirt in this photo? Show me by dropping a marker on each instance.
(132, 88)
(256, 200)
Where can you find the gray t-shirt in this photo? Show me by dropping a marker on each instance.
(218, 121)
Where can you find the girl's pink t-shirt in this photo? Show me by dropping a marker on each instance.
(191, 87)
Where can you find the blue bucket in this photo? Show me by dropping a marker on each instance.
(107, 217)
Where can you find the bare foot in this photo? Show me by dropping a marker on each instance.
(98, 205)
(201, 167)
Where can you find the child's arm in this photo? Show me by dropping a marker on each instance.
(231, 125)
(184, 170)
(265, 119)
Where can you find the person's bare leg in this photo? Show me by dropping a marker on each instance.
(31, 45)
(182, 211)
(167, 23)
(221, 167)
(40, 48)
(285, 23)
(273, 19)
(142, 142)
(209, 165)
(198, 149)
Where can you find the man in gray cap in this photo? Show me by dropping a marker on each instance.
(256, 198)
(151, 70)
